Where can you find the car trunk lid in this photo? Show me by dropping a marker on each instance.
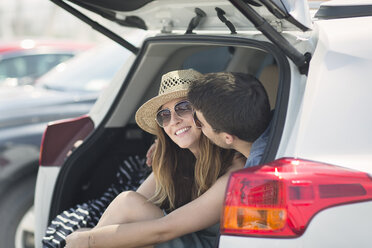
(158, 15)
(218, 16)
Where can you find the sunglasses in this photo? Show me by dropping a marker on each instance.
(183, 109)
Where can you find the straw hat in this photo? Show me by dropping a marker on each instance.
(174, 84)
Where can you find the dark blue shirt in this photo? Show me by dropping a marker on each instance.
(257, 149)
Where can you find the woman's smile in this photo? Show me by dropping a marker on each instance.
(182, 131)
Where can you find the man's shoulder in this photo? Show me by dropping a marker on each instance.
(257, 149)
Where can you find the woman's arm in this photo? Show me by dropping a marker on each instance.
(147, 188)
(199, 214)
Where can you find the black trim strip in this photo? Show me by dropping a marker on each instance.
(334, 12)
(96, 26)
(110, 14)
(119, 5)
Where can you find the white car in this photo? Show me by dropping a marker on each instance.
(313, 187)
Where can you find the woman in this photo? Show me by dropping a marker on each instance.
(185, 192)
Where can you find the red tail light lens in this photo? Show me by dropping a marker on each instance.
(61, 137)
(280, 198)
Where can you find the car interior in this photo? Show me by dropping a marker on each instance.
(91, 169)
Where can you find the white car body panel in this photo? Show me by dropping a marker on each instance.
(106, 99)
(353, 226)
(46, 179)
(339, 68)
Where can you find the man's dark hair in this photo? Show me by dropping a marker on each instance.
(235, 103)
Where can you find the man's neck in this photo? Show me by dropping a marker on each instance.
(243, 147)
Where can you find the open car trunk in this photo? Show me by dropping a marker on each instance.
(91, 169)
(203, 35)
(266, 38)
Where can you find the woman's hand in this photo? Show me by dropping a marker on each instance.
(150, 152)
(78, 240)
(238, 162)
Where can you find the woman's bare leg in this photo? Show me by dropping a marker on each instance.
(129, 207)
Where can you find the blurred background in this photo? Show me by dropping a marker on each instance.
(20, 19)
(52, 66)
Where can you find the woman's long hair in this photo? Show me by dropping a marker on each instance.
(180, 177)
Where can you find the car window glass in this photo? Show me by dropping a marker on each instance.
(45, 62)
(90, 72)
(13, 67)
(30, 65)
(209, 60)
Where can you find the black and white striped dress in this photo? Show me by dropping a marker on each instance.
(131, 173)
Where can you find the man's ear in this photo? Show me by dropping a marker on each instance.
(228, 138)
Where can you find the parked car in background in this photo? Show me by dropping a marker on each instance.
(69, 90)
(21, 62)
(313, 187)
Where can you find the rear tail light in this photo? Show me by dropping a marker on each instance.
(61, 138)
(280, 198)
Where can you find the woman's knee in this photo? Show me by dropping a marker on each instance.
(137, 207)
(130, 197)
(129, 202)
(122, 209)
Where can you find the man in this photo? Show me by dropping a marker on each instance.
(233, 111)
